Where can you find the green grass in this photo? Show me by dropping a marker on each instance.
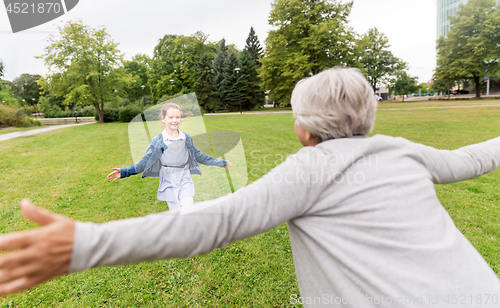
(264, 109)
(64, 171)
(436, 103)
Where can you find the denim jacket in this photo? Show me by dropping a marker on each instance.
(150, 164)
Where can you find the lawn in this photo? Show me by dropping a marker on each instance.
(64, 171)
(437, 103)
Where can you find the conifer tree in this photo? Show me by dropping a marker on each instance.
(219, 67)
(253, 45)
(204, 87)
(229, 85)
(251, 94)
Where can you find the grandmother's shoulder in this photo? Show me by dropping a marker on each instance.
(362, 144)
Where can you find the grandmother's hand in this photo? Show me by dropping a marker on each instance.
(40, 254)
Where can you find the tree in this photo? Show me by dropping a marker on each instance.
(310, 35)
(86, 66)
(229, 85)
(219, 67)
(7, 98)
(380, 65)
(253, 45)
(26, 88)
(1, 68)
(251, 94)
(138, 68)
(204, 87)
(471, 47)
(405, 84)
(175, 58)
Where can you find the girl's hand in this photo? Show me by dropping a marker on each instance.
(115, 175)
(228, 164)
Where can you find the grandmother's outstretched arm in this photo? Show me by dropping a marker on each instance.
(63, 246)
(466, 163)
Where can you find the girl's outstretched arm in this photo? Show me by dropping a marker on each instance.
(204, 159)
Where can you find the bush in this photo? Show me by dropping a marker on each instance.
(61, 114)
(127, 113)
(10, 117)
(110, 114)
(88, 111)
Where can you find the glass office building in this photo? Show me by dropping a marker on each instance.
(447, 8)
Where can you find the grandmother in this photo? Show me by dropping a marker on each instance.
(365, 224)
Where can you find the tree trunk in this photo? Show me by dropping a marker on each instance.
(100, 113)
(478, 86)
(101, 116)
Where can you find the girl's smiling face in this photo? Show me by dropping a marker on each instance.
(172, 119)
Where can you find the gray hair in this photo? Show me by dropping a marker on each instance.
(337, 103)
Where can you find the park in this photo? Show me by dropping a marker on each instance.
(243, 101)
(67, 174)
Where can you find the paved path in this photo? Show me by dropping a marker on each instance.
(35, 131)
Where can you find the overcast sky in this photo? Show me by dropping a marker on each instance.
(138, 25)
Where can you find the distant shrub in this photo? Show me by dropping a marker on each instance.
(11, 117)
(110, 114)
(127, 113)
(88, 111)
(61, 114)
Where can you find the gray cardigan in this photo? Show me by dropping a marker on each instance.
(365, 225)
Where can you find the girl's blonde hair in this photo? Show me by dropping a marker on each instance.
(167, 106)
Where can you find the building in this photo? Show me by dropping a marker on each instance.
(447, 8)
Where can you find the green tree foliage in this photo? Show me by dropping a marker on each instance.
(219, 67)
(7, 98)
(253, 45)
(380, 65)
(7, 85)
(405, 84)
(138, 68)
(251, 94)
(204, 86)
(2, 68)
(309, 36)
(175, 58)
(86, 66)
(471, 47)
(26, 88)
(229, 85)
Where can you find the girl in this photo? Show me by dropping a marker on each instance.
(172, 157)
